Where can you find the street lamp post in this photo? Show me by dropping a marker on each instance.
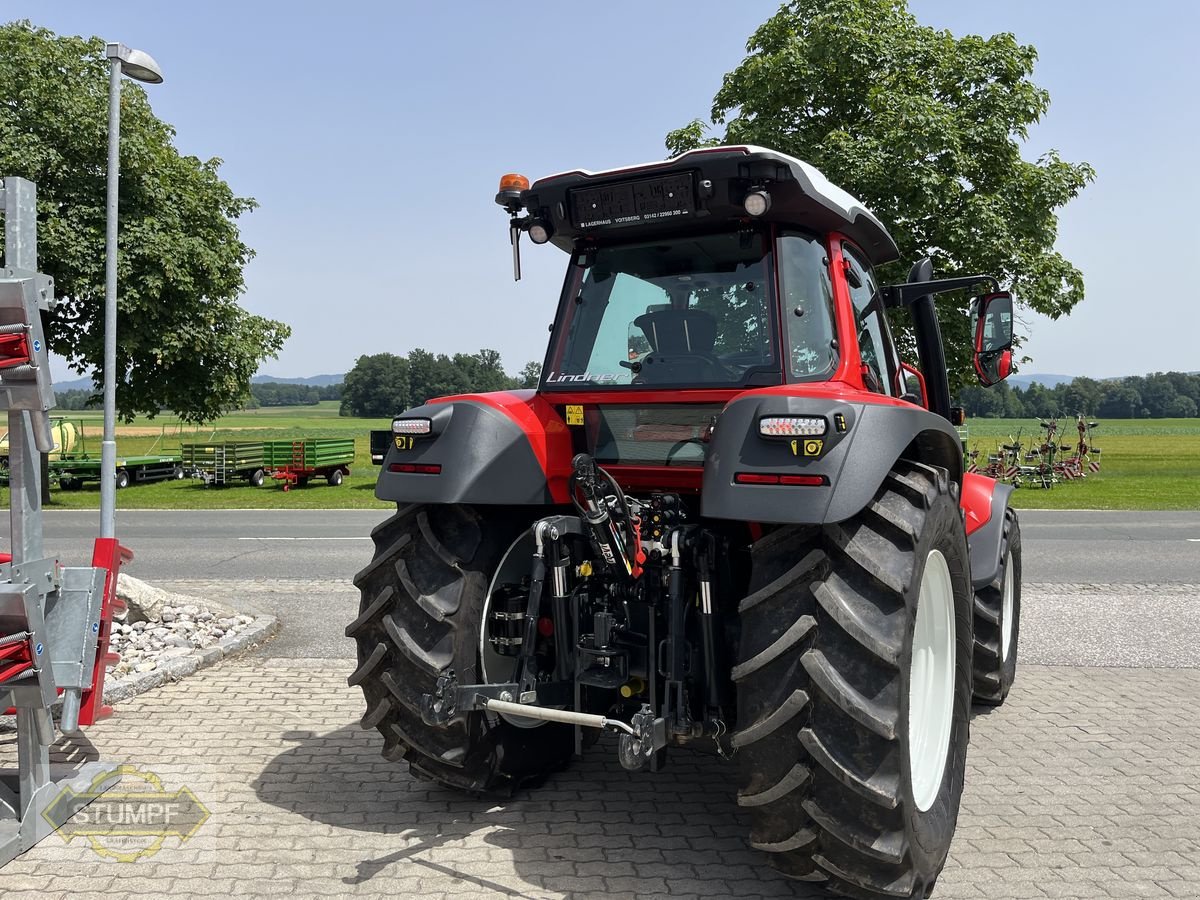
(141, 67)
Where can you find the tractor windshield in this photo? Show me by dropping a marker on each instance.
(688, 312)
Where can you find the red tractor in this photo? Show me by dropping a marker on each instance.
(729, 517)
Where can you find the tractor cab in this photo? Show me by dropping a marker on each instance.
(724, 270)
(709, 271)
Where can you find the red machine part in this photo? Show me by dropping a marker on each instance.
(14, 349)
(977, 500)
(107, 554)
(15, 658)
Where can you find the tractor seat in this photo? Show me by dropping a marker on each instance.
(681, 342)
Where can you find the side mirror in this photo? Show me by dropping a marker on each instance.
(992, 320)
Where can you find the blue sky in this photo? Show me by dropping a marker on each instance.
(373, 135)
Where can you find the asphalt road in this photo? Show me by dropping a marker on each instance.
(298, 565)
(1060, 546)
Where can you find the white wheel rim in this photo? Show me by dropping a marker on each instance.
(1006, 611)
(931, 682)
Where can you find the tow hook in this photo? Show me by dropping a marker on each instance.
(648, 735)
(640, 738)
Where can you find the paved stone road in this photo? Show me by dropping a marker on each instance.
(1084, 785)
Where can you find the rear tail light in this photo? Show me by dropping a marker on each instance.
(416, 468)
(771, 478)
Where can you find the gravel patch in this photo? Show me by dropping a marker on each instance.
(181, 635)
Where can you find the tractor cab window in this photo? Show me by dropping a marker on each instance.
(686, 312)
(807, 293)
(874, 337)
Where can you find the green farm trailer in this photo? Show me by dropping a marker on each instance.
(75, 464)
(298, 461)
(223, 462)
(73, 472)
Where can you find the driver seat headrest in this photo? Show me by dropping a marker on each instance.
(679, 331)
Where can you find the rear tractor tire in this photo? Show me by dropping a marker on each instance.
(854, 690)
(998, 621)
(423, 598)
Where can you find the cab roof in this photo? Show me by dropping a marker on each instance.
(707, 189)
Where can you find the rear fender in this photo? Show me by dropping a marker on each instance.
(853, 461)
(506, 448)
(985, 502)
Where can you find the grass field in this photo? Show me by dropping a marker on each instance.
(274, 423)
(1147, 463)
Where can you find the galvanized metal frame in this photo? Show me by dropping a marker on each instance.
(55, 611)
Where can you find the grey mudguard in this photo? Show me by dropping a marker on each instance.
(985, 543)
(854, 462)
(485, 458)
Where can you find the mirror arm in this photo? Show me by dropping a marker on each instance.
(895, 295)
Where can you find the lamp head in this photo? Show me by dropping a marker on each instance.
(137, 64)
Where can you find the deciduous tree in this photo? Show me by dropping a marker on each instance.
(925, 128)
(183, 341)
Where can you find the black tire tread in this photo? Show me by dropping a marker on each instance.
(991, 681)
(421, 610)
(824, 792)
(787, 711)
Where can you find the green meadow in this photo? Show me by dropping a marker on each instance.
(1145, 463)
(164, 434)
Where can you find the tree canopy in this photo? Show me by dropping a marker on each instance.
(923, 127)
(184, 343)
(1169, 395)
(384, 384)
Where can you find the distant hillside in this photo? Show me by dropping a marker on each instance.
(1050, 381)
(76, 384)
(85, 384)
(315, 380)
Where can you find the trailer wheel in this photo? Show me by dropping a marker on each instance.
(302, 481)
(257, 478)
(177, 473)
(68, 483)
(122, 478)
(854, 690)
(422, 608)
(998, 621)
(335, 477)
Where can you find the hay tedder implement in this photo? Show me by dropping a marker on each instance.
(1044, 463)
(54, 621)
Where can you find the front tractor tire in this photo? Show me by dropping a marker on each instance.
(998, 621)
(423, 599)
(854, 690)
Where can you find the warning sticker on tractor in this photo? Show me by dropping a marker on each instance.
(808, 447)
(574, 415)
